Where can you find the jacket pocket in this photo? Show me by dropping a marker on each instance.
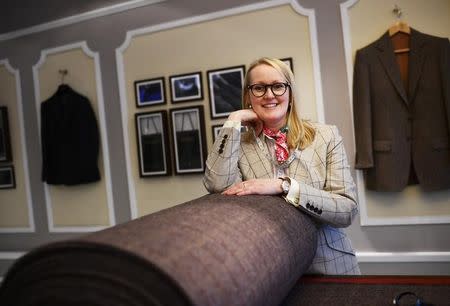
(382, 145)
(337, 240)
(440, 144)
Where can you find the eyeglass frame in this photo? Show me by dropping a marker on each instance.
(250, 88)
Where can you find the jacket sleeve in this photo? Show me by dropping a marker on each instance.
(222, 169)
(336, 203)
(362, 113)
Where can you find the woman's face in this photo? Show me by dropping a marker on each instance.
(271, 109)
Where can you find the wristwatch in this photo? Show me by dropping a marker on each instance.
(285, 185)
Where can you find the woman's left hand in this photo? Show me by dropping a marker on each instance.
(255, 186)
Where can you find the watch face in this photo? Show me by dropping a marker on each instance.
(285, 186)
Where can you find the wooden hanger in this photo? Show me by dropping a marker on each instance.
(399, 27)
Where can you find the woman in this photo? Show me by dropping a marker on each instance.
(283, 155)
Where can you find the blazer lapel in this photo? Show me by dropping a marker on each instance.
(387, 58)
(416, 60)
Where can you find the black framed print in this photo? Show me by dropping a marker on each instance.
(225, 90)
(5, 140)
(288, 62)
(216, 131)
(188, 138)
(150, 92)
(7, 178)
(153, 143)
(186, 87)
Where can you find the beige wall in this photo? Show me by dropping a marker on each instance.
(221, 43)
(86, 204)
(14, 208)
(431, 17)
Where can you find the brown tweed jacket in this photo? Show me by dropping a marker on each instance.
(326, 188)
(397, 126)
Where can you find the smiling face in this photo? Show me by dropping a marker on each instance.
(271, 109)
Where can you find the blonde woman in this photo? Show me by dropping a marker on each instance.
(281, 154)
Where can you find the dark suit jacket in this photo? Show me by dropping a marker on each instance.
(395, 126)
(70, 139)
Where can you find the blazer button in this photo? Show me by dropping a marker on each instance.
(307, 205)
(222, 145)
(225, 136)
(220, 151)
(320, 211)
(316, 209)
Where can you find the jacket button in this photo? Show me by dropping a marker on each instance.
(222, 145)
(307, 205)
(316, 209)
(225, 136)
(220, 151)
(320, 211)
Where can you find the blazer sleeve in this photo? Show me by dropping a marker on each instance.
(336, 203)
(362, 113)
(222, 169)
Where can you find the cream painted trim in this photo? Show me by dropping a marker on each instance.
(103, 131)
(32, 227)
(310, 13)
(365, 219)
(363, 257)
(109, 10)
(379, 257)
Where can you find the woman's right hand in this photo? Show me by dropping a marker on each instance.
(247, 117)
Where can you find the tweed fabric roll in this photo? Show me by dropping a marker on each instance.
(215, 250)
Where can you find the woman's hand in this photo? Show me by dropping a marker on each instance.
(255, 186)
(247, 117)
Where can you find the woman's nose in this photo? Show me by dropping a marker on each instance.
(269, 94)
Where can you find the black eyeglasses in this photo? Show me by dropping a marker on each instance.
(259, 90)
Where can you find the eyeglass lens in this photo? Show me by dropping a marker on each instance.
(259, 90)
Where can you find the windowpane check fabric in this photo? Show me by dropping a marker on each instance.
(326, 190)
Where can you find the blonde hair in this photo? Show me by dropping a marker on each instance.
(301, 132)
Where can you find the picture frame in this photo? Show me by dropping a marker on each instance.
(225, 90)
(186, 87)
(153, 144)
(215, 131)
(5, 138)
(7, 177)
(188, 139)
(288, 61)
(150, 92)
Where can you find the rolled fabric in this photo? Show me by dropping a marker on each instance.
(214, 250)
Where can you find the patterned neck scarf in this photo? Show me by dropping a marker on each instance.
(281, 147)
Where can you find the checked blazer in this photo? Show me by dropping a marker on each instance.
(325, 189)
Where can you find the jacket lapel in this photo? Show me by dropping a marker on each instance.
(387, 58)
(416, 60)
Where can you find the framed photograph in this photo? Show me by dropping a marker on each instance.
(153, 144)
(186, 87)
(288, 61)
(5, 141)
(188, 135)
(216, 131)
(150, 92)
(7, 179)
(225, 90)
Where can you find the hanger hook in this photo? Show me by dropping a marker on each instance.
(397, 11)
(63, 73)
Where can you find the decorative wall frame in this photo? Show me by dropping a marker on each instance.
(150, 92)
(188, 139)
(7, 178)
(153, 144)
(288, 61)
(215, 131)
(225, 90)
(5, 139)
(186, 87)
